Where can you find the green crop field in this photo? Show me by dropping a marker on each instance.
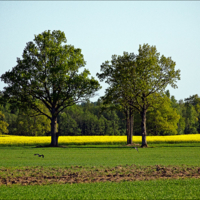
(162, 171)
(101, 155)
(158, 189)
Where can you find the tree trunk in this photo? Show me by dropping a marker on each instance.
(143, 126)
(131, 126)
(127, 126)
(54, 134)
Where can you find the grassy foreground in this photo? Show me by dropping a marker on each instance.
(14, 158)
(157, 189)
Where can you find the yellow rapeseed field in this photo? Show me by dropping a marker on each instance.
(33, 140)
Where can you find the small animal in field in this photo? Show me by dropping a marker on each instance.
(39, 155)
(136, 149)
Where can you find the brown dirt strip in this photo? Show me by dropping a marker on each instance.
(78, 174)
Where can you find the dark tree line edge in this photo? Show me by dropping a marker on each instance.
(172, 118)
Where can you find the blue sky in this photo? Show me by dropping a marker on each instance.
(104, 28)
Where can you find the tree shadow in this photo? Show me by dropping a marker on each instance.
(115, 146)
(175, 145)
(88, 146)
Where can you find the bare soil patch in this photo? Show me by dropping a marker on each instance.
(79, 174)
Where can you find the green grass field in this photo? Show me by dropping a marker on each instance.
(158, 189)
(102, 156)
(111, 155)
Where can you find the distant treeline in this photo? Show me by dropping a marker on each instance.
(171, 117)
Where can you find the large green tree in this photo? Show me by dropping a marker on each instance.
(140, 81)
(152, 75)
(118, 74)
(48, 73)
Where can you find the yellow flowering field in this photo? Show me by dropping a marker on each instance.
(32, 140)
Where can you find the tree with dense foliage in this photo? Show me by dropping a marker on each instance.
(21, 122)
(3, 124)
(143, 80)
(153, 73)
(47, 73)
(180, 107)
(163, 119)
(118, 75)
(68, 125)
(191, 119)
(29, 124)
(194, 101)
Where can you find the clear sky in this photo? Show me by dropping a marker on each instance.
(104, 28)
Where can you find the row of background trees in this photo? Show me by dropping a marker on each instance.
(92, 118)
